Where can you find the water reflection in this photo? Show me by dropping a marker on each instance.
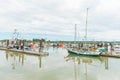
(59, 65)
(14, 58)
(85, 63)
(19, 58)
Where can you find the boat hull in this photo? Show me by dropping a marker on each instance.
(82, 54)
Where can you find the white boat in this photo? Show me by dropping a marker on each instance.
(117, 48)
(85, 53)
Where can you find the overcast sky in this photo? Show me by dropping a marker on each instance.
(55, 19)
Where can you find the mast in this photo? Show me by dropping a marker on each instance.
(86, 25)
(75, 34)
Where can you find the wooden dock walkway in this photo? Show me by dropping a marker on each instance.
(26, 52)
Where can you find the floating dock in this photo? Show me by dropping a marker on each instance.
(26, 52)
(111, 55)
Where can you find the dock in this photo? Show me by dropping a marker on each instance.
(26, 52)
(111, 55)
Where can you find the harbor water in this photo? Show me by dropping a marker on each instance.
(58, 65)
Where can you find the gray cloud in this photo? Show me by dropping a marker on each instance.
(60, 16)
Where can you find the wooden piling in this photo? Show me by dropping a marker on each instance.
(40, 45)
(22, 44)
(7, 43)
